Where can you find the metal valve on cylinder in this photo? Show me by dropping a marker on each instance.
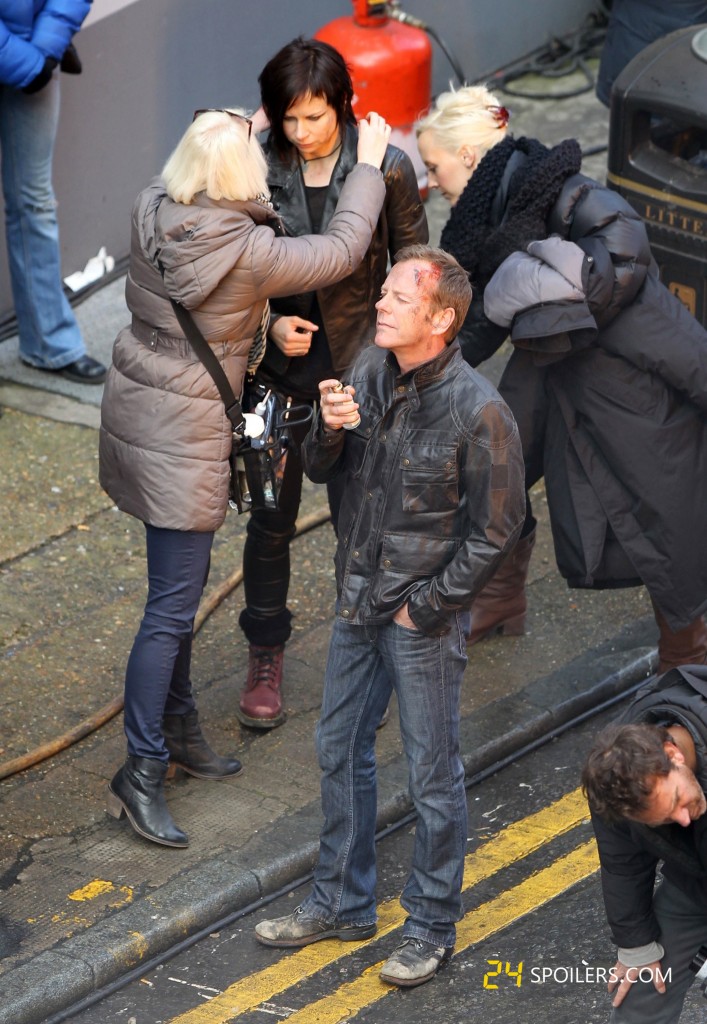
(391, 69)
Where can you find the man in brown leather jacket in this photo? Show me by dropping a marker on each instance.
(434, 497)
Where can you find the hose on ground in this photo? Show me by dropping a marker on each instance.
(101, 717)
(559, 59)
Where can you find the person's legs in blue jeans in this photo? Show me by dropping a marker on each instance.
(683, 929)
(48, 331)
(427, 676)
(161, 721)
(356, 693)
(157, 680)
(426, 673)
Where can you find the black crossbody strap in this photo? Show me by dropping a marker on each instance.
(205, 353)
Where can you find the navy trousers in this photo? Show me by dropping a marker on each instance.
(158, 674)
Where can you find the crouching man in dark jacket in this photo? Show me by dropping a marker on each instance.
(645, 780)
(433, 499)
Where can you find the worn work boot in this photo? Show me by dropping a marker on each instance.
(687, 646)
(414, 962)
(296, 929)
(260, 705)
(137, 789)
(501, 606)
(189, 750)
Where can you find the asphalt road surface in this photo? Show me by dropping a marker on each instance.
(533, 945)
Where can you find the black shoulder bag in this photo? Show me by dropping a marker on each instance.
(257, 463)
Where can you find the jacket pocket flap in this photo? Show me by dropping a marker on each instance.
(415, 554)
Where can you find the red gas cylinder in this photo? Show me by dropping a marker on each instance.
(391, 69)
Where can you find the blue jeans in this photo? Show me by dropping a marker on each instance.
(49, 335)
(157, 678)
(683, 929)
(365, 665)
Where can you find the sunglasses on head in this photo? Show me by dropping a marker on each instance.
(222, 110)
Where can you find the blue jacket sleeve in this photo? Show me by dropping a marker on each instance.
(56, 24)
(22, 55)
(20, 60)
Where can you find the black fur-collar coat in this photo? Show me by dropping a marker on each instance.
(616, 421)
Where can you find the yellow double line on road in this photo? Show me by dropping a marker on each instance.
(507, 847)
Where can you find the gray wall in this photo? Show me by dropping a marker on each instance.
(149, 63)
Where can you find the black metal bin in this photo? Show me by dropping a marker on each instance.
(658, 156)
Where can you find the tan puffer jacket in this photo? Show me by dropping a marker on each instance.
(165, 439)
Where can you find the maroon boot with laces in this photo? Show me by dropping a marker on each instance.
(260, 705)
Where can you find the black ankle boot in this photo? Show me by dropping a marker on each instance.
(189, 750)
(136, 789)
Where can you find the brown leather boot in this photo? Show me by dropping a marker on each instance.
(501, 606)
(260, 705)
(687, 646)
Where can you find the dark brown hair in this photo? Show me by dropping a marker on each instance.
(304, 67)
(620, 772)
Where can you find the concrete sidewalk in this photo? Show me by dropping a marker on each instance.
(83, 898)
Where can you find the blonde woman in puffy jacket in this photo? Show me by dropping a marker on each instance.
(205, 235)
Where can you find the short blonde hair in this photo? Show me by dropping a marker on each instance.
(215, 156)
(469, 116)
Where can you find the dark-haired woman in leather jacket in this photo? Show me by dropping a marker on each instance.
(306, 94)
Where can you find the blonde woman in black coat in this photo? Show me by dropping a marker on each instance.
(608, 380)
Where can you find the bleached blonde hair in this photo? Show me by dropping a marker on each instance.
(468, 116)
(215, 156)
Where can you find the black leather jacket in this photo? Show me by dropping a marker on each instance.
(434, 489)
(347, 307)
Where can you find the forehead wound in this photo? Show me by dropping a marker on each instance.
(426, 277)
